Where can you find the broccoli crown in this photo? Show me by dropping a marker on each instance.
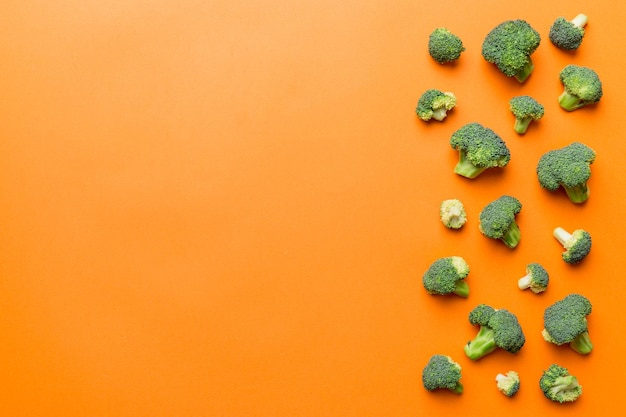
(566, 34)
(525, 109)
(452, 213)
(509, 46)
(442, 372)
(434, 104)
(568, 167)
(536, 278)
(558, 385)
(508, 383)
(444, 46)
(498, 329)
(497, 220)
(447, 276)
(566, 320)
(581, 87)
(479, 148)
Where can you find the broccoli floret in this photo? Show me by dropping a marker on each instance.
(479, 148)
(581, 87)
(558, 385)
(447, 276)
(525, 109)
(577, 244)
(444, 46)
(509, 46)
(568, 167)
(536, 278)
(568, 34)
(498, 329)
(565, 321)
(434, 104)
(497, 220)
(508, 383)
(452, 213)
(442, 372)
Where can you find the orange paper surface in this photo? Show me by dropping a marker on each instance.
(225, 208)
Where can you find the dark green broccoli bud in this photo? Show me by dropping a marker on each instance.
(479, 148)
(497, 220)
(536, 278)
(444, 46)
(509, 46)
(452, 213)
(565, 321)
(498, 329)
(434, 104)
(558, 385)
(441, 372)
(568, 34)
(447, 276)
(581, 87)
(577, 244)
(568, 168)
(525, 109)
(508, 383)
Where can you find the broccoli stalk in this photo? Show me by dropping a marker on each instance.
(525, 109)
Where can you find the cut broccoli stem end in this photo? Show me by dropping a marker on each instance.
(561, 235)
(525, 71)
(521, 124)
(466, 169)
(512, 236)
(440, 114)
(458, 388)
(461, 288)
(483, 344)
(570, 102)
(577, 194)
(582, 344)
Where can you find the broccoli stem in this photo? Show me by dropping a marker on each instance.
(578, 193)
(569, 101)
(461, 288)
(521, 124)
(580, 20)
(563, 383)
(525, 71)
(512, 236)
(561, 235)
(458, 388)
(440, 113)
(582, 343)
(465, 168)
(483, 344)
(524, 282)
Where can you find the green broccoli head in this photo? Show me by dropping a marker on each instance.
(558, 385)
(536, 278)
(452, 213)
(498, 329)
(568, 167)
(525, 109)
(581, 87)
(577, 244)
(565, 321)
(442, 372)
(479, 148)
(434, 104)
(447, 276)
(509, 46)
(568, 34)
(497, 220)
(444, 46)
(508, 383)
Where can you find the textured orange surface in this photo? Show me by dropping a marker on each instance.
(225, 208)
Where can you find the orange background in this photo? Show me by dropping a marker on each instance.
(225, 208)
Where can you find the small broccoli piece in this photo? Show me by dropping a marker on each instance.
(568, 168)
(568, 34)
(509, 46)
(525, 109)
(447, 276)
(577, 244)
(508, 383)
(498, 329)
(536, 278)
(479, 148)
(442, 372)
(452, 213)
(558, 385)
(581, 87)
(497, 220)
(565, 321)
(444, 46)
(434, 104)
